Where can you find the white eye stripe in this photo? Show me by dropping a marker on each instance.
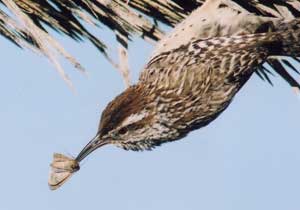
(134, 118)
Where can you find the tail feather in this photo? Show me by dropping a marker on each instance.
(287, 44)
(289, 36)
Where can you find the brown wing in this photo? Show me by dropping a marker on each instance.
(217, 59)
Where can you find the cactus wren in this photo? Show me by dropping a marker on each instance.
(186, 88)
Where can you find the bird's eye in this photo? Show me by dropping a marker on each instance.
(123, 130)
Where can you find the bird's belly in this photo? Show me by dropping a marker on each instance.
(205, 108)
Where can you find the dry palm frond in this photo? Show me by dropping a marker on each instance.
(25, 24)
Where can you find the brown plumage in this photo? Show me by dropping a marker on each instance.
(186, 88)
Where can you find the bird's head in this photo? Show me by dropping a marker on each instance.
(130, 117)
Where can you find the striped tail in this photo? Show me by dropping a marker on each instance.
(289, 35)
(287, 44)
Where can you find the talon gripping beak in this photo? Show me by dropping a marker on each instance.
(94, 144)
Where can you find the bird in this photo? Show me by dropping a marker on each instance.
(187, 86)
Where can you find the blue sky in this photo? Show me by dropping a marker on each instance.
(247, 159)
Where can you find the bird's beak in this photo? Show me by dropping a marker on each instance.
(94, 144)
